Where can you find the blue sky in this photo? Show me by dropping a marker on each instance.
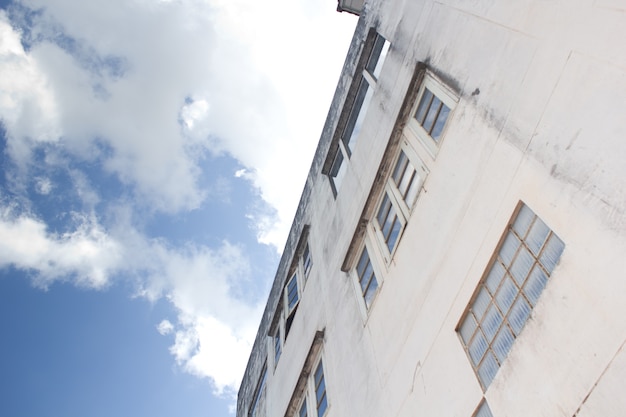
(152, 154)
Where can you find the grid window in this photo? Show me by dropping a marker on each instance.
(367, 278)
(509, 291)
(320, 390)
(483, 410)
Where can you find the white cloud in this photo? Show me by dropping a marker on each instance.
(165, 327)
(173, 81)
(255, 91)
(86, 255)
(203, 284)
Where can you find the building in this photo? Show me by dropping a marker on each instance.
(460, 245)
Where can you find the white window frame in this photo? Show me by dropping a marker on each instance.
(358, 111)
(447, 97)
(371, 245)
(391, 191)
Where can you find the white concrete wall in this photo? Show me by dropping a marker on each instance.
(548, 128)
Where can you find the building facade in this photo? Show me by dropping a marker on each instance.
(460, 245)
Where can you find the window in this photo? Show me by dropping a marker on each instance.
(483, 410)
(320, 390)
(292, 293)
(358, 108)
(399, 197)
(303, 411)
(277, 345)
(259, 395)
(508, 292)
(307, 262)
(367, 278)
(431, 112)
(309, 397)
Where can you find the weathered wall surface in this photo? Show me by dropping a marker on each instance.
(541, 118)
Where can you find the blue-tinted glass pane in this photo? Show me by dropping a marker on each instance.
(383, 214)
(483, 410)
(366, 277)
(535, 284)
(467, 328)
(363, 262)
(502, 343)
(400, 168)
(506, 295)
(440, 123)
(477, 347)
(371, 291)
(521, 266)
(292, 292)
(321, 409)
(422, 108)
(552, 253)
(494, 277)
(491, 323)
(523, 220)
(432, 114)
(488, 369)
(537, 235)
(518, 315)
(508, 249)
(481, 303)
(303, 410)
(319, 374)
(395, 233)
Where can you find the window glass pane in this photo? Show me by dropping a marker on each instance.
(478, 347)
(306, 260)
(366, 277)
(363, 262)
(357, 114)
(303, 410)
(377, 57)
(400, 168)
(370, 291)
(423, 107)
(488, 369)
(502, 343)
(433, 111)
(522, 265)
(481, 303)
(508, 249)
(523, 220)
(277, 346)
(494, 277)
(483, 410)
(535, 285)
(468, 327)
(537, 235)
(518, 315)
(441, 121)
(506, 295)
(395, 232)
(292, 292)
(552, 253)
(491, 323)
(320, 390)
